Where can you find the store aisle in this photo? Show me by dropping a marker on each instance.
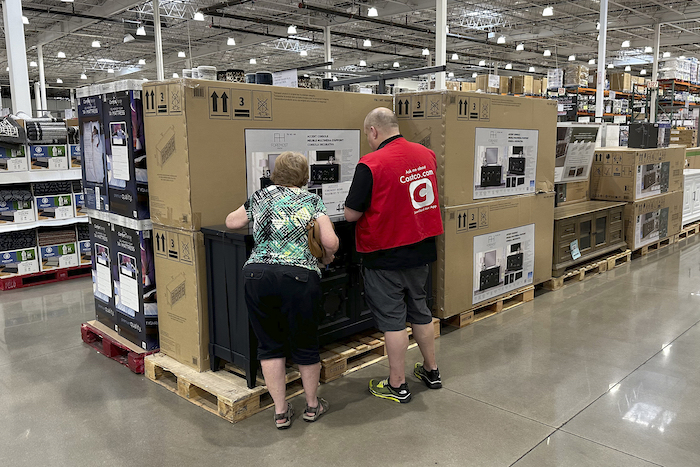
(603, 372)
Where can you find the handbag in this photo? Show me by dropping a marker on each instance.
(314, 234)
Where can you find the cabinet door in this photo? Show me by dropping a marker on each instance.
(585, 237)
(696, 197)
(600, 227)
(688, 197)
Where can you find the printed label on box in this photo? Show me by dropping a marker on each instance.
(85, 252)
(58, 256)
(575, 151)
(652, 179)
(18, 262)
(54, 207)
(13, 160)
(651, 227)
(503, 261)
(505, 162)
(76, 155)
(48, 157)
(103, 279)
(127, 301)
(79, 203)
(17, 212)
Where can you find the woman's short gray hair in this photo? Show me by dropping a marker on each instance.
(291, 169)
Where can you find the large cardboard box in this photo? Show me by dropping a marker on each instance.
(627, 174)
(101, 241)
(620, 82)
(523, 84)
(537, 86)
(486, 146)
(652, 219)
(572, 193)
(199, 134)
(182, 305)
(504, 84)
(687, 138)
(468, 87)
(692, 158)
(92, 144)
(491, 248)
(488, 83)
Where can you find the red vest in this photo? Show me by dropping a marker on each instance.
(404, 209)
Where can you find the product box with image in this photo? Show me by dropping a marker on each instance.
(126, 152)
(183, 311)
(627, 174)
(652, 219)
(16, 204)
(79, 199)
(134, 285)
(492, 248)
(92, 144)
(576, 144)
(199, 135)
(53, 200)
(572, 193)
(84, 244)
(101, 242)
(486, 146)
(47, 157)
(18, 253)
(13, 159)
(58, 248)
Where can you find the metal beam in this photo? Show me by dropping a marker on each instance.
(600, 73)
(16, 56)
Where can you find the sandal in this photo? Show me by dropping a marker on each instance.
(282, 416)
(323, 405)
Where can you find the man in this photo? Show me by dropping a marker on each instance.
(394, 199)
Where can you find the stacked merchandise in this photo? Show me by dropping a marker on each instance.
(114, 193)
(46, 143)
(496, 173)
(58, 247)
(18, 253)
(684, 137)
(53, 200)
(576, 75)
(84, 248)
(78, 198)
(677, 68)
(74, 151)
(16, 205)
(650, 181)
(555, 78)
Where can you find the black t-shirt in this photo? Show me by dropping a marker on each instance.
(403, 257)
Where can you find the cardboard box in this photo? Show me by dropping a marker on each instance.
(92, 144)
(572, 193)
(134, 285)
(18, 211)
(576, 75)
(13, 159)
(555, 78)
(652, 219)
(627, 174)
(18, 253)
(687, 138)
(537, 86)
(47, 157)
(453, 85)
(488, 83)
(79, 199)
(524, 84)
(101, 240)
(84, 246)
(125, 148)
(58, 254)
(576, 145)
(620, 82)
(182, 306)
(692, 158)
(504, 84)
(75, 153)
(491, 248)
(198, 142)
(469, 86)
(486, 146)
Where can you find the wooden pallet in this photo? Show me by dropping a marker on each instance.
(688, 231)
(110, 344)
(46, 277)
(657, 245)
(588, 269)
(222, 393)
(491, 307)
(358, 352)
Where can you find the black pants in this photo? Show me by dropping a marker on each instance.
(280, 302)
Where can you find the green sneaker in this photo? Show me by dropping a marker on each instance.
(430, 378)
(382, 389)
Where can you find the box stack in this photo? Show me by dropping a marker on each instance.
(524, 84)
(576, 75)
(555, 78)
(683, 137)
(496, 174)
(677, 69)
(114, 192)
(650, 181)
(620, 82)
(488, 83)
(190, 131)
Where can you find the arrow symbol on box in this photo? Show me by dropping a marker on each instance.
(214, 102)
(224, 102)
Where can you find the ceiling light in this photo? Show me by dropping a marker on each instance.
(145, 79)
(648, 49)
(482, 62)
(363, 63)
(474, 75)
(547, 53)
(199, 16)
(110, 70)
(129, 38)
(450, 75)
(610, 65)
(7, 68)
(292, 29)
(455, 57)
(628, 68)
(335, 78)
(253, 61)
(83, 76)
(303, 53)
(667, 54)
(572, 58)
(520, 46)
(531, 69)
(32, 63)
(231, 41)
(181, 54)
(591, 61)
(372, 11)
(396, 64)
(598, 38)
(549, 11)
(140, 31)
(367, 43)
(426, 52)
(67, 1)
(59, 81)
(96, 44)
(509, 66)
(61, 55)
(142, 62)
(25, 20)
(491, 35)
(643, 72)
(175, 75)
(501, 40)
(682, 57)
(625, 44)
(597, 26)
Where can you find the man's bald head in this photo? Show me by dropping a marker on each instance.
(380, 124)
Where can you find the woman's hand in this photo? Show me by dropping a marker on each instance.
(327, 259)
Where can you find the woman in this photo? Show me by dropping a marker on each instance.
(282, 281)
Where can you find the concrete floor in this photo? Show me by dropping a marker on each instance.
(601, 373)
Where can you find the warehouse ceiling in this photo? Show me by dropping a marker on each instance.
(399, 33)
